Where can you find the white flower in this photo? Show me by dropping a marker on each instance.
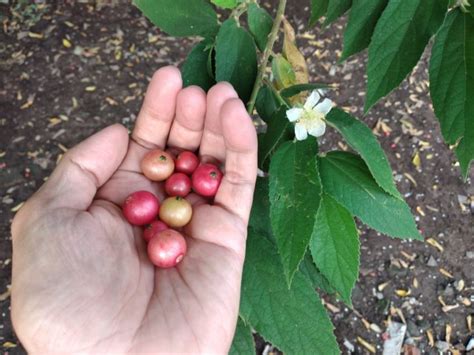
(310, 119)
(464, 4)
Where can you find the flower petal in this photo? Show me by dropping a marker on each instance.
(300, 132)
(312, 100)
(317, 128)
(324, 107)
(294, 114)
(321, 92)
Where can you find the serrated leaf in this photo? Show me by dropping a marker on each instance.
(299, 88)
(236, 58)
(362, 140)
(294, 320)
(347, 179)
(225, 4)
(243, 343)
(452, 83)
(279, 131)
(399, 38)
(283, 73)
(360, 26)
(260, 214)
(336, 8)
(318, 10)
(295, 191)
(260, 24)
(309, 269)
(335, 246)
(180, 17)
(266, 103)
(195, 67)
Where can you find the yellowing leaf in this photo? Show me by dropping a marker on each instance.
(434, 243)
(366, 345)
(17, 207)
(416, 160)
(283, 74)
(402, 293)
(67, 43)
(9, 344)
(35, 35)
(293, 55)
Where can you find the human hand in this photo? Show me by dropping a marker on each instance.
(82, 281)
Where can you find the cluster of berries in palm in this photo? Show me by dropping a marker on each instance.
(163, 221)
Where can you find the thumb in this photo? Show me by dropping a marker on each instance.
(83, 169)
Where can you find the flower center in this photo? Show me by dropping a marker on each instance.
(309, 117)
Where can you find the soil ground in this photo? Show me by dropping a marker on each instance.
(68, 69)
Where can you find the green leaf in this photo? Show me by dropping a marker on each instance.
(195, 67)
(211, 63)
(346, 178)
(399, 39)
(225, 4)
(260, 214)
(266, 103)
(452, 83)
(296, 89)
(362, 140)
(243, 343)
(312, 273)
(362, 20)
(236, 58)
(180, 17)
(260, 24)
(283, 73)
(336, 8)
(295, 191)
(318, 10)
(335, 246)
(294, 320)
(279, 130)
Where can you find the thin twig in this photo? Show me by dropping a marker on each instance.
(266, 54)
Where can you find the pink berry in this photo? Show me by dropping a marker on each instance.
(178, 184)
(153, 228)
(167, 248)
(206, 180)
(141, 208)
(186, 162)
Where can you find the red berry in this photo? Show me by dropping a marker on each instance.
(178, 184)
(153, 228)
(157, 165)
(186, 162)
(176, 211)
(167, 248)
(206, 179)
(141, 208)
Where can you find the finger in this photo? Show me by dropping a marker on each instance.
(236, 190)
(212, 143)
(83, 169)
(186, 130)
(158, 110)
(155, 117)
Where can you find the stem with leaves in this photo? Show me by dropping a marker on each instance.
(266, 54)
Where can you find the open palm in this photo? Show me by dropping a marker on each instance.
(81, 277)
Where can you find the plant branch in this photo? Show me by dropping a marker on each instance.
(276, 93)
(266, 54)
